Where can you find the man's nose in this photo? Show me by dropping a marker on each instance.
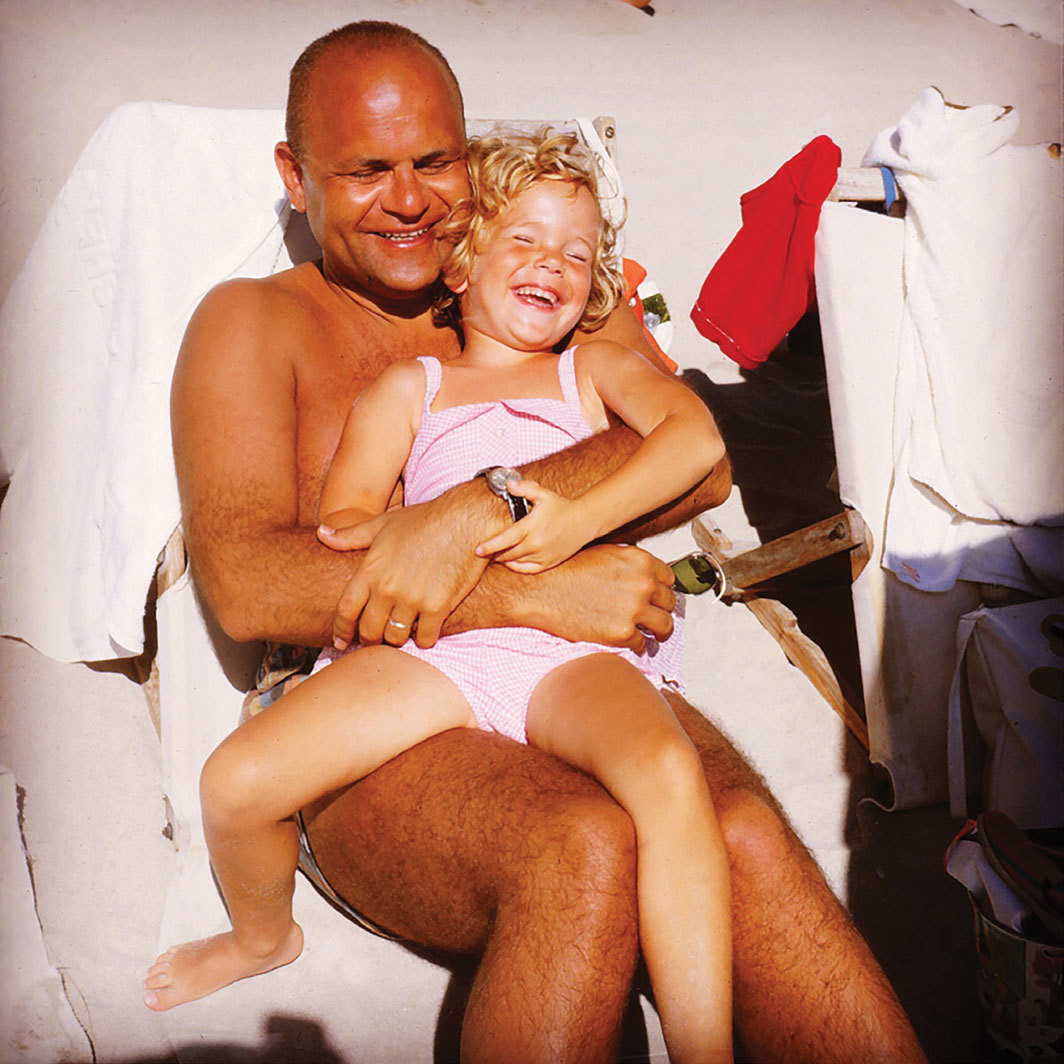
(405, 194)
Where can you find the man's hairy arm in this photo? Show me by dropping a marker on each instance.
(556, 600)
(267, 577)
(233, 418)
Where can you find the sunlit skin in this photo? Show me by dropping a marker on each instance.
(527, 289)
(541, 885)
(532, 274)
(376, 179)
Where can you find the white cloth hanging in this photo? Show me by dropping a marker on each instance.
(978, 490)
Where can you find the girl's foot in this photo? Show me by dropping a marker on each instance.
(196, 969)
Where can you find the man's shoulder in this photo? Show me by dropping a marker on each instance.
(253, 326)
(274, 318)
(253, 298)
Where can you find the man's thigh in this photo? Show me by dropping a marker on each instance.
(727, 770)
(427, 845)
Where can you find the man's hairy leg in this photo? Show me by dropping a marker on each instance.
(472, 843)
(806, 985)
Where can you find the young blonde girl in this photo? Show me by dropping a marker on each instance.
(528, 259)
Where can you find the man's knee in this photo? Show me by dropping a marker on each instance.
(582, 859)
(755, 835)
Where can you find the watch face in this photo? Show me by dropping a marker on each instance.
(497, 478)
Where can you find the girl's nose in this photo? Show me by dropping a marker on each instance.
(550, 259)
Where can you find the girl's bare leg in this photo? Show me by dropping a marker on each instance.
(333, 729)
(602, 716)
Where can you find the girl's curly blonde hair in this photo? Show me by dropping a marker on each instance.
(501, 168)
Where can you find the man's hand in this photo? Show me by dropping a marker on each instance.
(417, 568)
(607, 594)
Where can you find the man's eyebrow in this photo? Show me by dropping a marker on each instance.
(441, 155)
(368, 163)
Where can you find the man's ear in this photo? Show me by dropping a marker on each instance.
(291, 174)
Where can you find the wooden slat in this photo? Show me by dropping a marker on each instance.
(172, 562)
(860, 185)
(800, 650)
(843, 531)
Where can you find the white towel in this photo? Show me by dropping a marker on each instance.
(164, 202)
(979, 425)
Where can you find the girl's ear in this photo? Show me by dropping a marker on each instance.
(455, 283)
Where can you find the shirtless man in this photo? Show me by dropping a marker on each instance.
(469, 842)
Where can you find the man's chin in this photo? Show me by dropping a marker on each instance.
(407, 291)
(388, 286)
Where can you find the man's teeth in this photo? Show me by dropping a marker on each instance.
(539, 293)
(412, 234)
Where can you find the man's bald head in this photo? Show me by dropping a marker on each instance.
(359, 39)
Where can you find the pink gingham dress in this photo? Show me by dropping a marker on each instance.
(497, 669)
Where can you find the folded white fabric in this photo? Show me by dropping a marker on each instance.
(164, 202)
(978, 424)
(966, 862)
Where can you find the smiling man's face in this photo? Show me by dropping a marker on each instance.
(383, 163)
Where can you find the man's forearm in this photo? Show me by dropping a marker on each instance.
(280, 585)
(283, 584)
(572, 471)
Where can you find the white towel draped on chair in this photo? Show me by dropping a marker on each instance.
(88, 338)
(942, 346)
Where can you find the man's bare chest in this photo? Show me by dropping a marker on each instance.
(329, 377)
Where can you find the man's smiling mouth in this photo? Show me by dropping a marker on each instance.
(408, 234)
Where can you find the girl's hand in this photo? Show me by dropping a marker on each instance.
(358, 535)
(553, 531)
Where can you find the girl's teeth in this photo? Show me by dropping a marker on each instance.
(536, 293)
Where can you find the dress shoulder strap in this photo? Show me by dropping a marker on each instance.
(567, 377)
(433, 378)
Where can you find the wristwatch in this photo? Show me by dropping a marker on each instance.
(497, 476)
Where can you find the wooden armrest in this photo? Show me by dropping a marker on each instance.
(743, 571)
(173, 561)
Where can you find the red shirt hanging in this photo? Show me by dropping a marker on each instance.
(763, 283)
